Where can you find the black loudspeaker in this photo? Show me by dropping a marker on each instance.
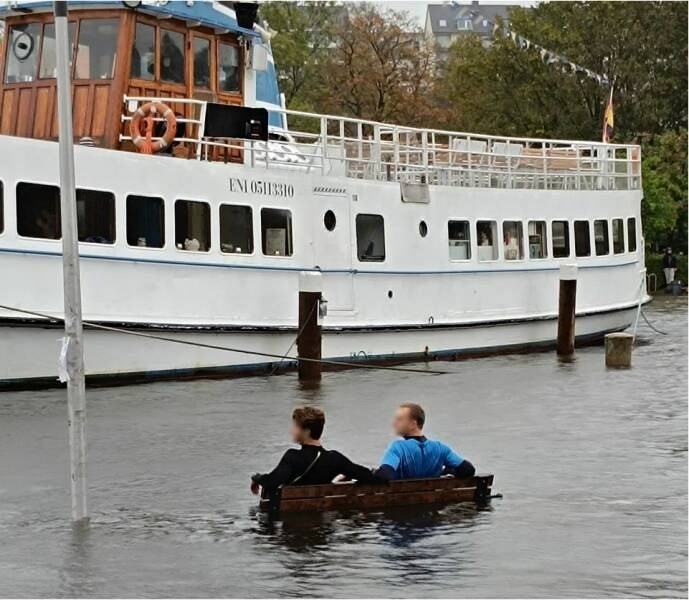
(246, 14)
(239, 122)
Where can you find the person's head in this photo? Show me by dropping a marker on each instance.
(409, 419)
(307, 424)
(669, 250)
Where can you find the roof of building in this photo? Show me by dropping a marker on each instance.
(446, 18)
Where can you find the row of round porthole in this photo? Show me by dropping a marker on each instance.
(329, 220)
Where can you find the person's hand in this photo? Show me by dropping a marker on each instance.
(255, 488)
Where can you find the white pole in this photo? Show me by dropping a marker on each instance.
(76, 394)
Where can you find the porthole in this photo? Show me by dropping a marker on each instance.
(423, 229)
(329, 220)
(389, 293)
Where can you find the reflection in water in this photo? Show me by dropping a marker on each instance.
(76, 580)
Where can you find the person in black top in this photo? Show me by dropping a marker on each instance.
(311, 464)
(669, 266)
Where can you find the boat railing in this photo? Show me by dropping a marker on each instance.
(361, 149)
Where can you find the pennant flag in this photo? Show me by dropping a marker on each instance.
(608, 121)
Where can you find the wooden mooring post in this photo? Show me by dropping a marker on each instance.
(567, 305)
(618, 349)
(309, 338)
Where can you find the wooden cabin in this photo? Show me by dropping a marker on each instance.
(176, 50)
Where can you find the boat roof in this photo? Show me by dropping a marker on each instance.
(200, 12)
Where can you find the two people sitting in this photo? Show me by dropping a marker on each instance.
(412, 456)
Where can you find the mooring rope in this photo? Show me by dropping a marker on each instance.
(651, 325)
(161, 338)
(314, 306)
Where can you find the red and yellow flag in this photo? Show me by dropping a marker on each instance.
(608, 121)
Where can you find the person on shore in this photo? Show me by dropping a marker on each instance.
(312, 464)
(669, 266)
(415, 455)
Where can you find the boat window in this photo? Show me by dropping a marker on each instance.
(144, 52)
(96, 49)
(145, 221)
(582, 238)
(48, 68)
(192, 226)
(618, 236)
(423, 229)
(23, 44)
(228, 68)
(487, 236)
(513, 238)
(601, 238)
(276, 232)
(38, 211)
(538, 239)
(459, 239)
(631, 234)
(2, 209)
(329, 220)
(171, 56)
(560, 231)
(370, 238)
(202, 62)
(236, 229)
(96, 216)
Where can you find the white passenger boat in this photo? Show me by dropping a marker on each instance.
(429, 243)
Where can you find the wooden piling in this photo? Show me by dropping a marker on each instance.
(566, 310)
(618, 350)
(309, 338)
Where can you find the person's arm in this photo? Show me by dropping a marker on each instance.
(354, 471)
(280, 475)
(457, 465)
(389, 464)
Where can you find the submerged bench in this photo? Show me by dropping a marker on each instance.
(408, 492)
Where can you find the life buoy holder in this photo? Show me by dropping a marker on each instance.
(146, 114)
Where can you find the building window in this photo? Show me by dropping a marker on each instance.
(631, 234)
(23, 46)
(459, 239)
(370, 238)
(48, 68)
(202, 62)
(38, 211)
(171, 56)
(513, 238)
(276, 232)
(192, 226)
(144, 53)
(236, 229)
(618, 236)
(145, 221)
(582, 238)
(442, 23)
(96, 49)
(600, 237)
(96, 216)
(560, 231)
(538, 239)
(228, 68)
(487, 236)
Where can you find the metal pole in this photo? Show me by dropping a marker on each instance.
(76, 394)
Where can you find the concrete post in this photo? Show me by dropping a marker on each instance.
(618, 350)
(566, 310)
(309, 338)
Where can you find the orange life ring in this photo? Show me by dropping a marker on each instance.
(146, 113)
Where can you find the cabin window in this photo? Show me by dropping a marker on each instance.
(96, 216)
(202, 62)
(145, 221)
(38, 211)
(631, 233)
(2, 209)
(236, 229)
(560, 230)
(144, 53)
(601, 238)
(171, 56)
(48, 68)
(618, 236)
(96, 49)
(582, 238)
(276, 232)
(459, 240)
(192, 226)
(228, 68)
(370, 238)
(23, 44)
(538, 239)
(487, 236)
(513, 239)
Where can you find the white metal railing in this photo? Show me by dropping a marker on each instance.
(363, 149)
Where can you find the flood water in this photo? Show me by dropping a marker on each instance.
(592, 464)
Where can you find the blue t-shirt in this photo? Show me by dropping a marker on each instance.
(411, 458)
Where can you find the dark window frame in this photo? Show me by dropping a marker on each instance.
(467, 240)
(577, 223)
(56, 217)
(220, 228)
(289, 236)
(632, 235)
(208, 225)
(113, 214)
(621, 236)
(163, 215)
(361, 256)
(567, 237)
(606, 239)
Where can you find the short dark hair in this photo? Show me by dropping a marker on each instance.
(415, 412)
(311, 418)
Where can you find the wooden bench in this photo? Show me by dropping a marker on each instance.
(348, 495)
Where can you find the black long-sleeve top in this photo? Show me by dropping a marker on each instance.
(295, 463)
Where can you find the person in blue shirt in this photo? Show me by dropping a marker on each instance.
(415, 456)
